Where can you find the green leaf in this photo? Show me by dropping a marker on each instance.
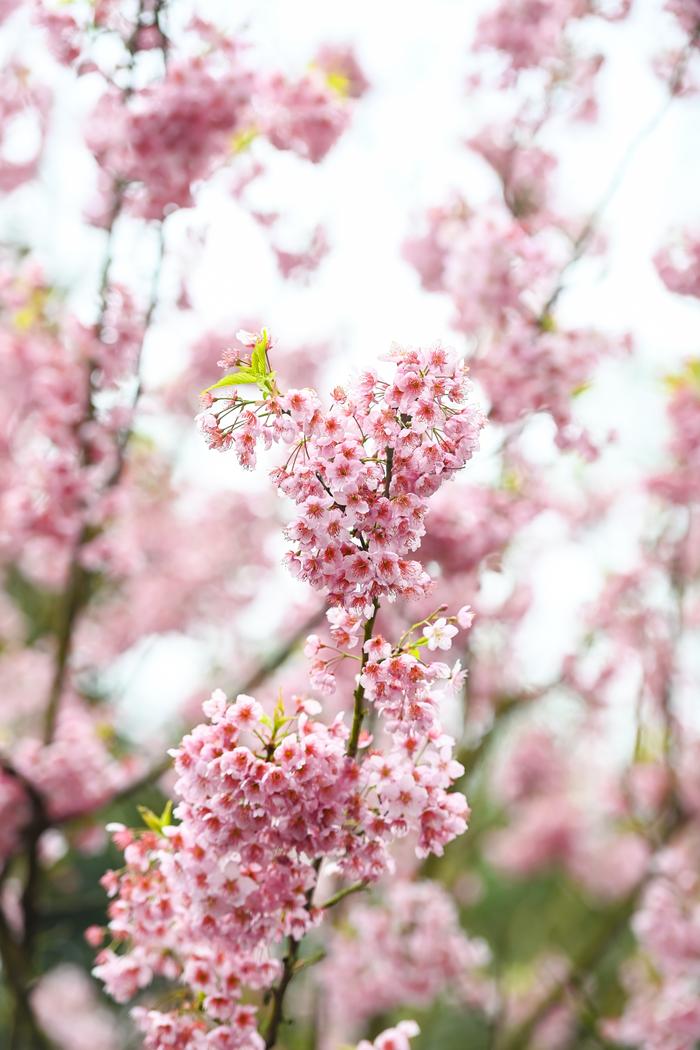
(242, 141)
(39, 607)
(266, 384)
(244, 375)
(258, 359)
(689, 377)
(155, 823)
(339, 83)
(149, 818)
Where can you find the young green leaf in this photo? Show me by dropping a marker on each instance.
(155, 823)
(150, 819)
(244, 375)
(258, 359)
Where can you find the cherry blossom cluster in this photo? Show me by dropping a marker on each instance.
(396, 679)
(525, 366)
(261, 802)
(163, 139)
(553, 822)
(462, 534)
(69, 777)
(392, 1038)
(681, 483)
(405, 948)
(360, 472)
(176, 131)
(532, 32)
(168, 942)
(77, 771)
(502, 261)
(59, 453)
(678, 265)
(176, 106)
(499, 277)
(66, 1004)
(22, 99)
(663, 1009)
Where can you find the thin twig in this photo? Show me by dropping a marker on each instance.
(583, 239)
(355, 887)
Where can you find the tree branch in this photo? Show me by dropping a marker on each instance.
(359, 694)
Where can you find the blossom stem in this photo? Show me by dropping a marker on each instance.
(355, 887)
(389, 471)
(359, 695)
(582, 241)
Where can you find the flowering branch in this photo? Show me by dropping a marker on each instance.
(76, 590)
(278, 793)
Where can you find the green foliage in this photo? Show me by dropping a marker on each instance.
(41, 608)
(239, 378)
(154, 822)
(451, 1028)
(38, 606)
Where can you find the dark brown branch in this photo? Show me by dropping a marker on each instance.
(278, 994)
(290, 967)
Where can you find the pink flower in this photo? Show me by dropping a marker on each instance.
(440, 634)
(392, 1038)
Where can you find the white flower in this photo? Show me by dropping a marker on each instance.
(440, 634)
(247, 338)
(215, 707)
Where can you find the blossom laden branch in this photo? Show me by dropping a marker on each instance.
(270, 797)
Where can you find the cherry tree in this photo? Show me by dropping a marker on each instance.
(289, 863)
